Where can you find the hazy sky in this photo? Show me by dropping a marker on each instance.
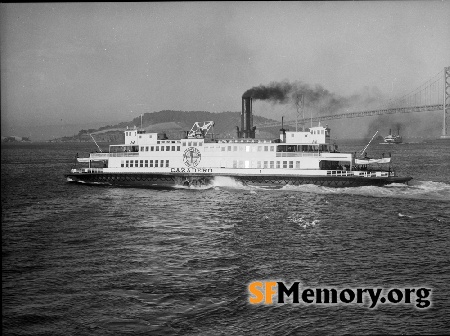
(90, 62)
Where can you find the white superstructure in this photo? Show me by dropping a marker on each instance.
(294, 153)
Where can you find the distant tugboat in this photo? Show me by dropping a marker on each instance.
(393, 139)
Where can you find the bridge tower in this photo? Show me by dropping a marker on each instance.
(446, 104)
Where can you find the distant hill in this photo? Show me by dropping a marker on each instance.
(37, 133)
(173, 123)
(15, 139)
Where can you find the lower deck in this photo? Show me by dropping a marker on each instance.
(170, 180)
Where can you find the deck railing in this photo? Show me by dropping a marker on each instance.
(296, 154)
(360, 173)
(87, 170)
(120, 154)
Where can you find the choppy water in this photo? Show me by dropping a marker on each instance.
(89, 260)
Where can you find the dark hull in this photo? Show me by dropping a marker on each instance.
(150, 180)
(326, 181)
(140, 180)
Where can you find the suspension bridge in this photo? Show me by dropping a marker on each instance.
(433, 95)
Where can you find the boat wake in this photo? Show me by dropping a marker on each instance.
(227, 182)
(216, 183)
(416, 190)
(302, 221)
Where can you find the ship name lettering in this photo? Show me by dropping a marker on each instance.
(191, 170)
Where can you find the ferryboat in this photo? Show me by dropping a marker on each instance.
(299, 157)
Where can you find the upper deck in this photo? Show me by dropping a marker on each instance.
(314, 135)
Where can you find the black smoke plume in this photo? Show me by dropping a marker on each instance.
(317, 97)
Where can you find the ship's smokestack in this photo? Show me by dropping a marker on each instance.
(247, 129)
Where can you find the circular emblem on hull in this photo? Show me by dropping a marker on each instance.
(192, 157)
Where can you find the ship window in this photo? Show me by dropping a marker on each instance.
(157, 148)
(151, 163)
(194, 143)
(266, 148)
(271, 164)
(131, 163)
(162, 148)
(223, 148)
(278, 164)
(265, 164)
(126, 163)
(189, 143)
(146, 148)
(122, 164)
(291, 164)
(158, 142)
(297, 164)
(178, 148)
(229, 148)
(156, 163)
(200, 143)
(259, 148)
(284, 164)
(173, 148)
(167, 148)
(142, 149)
(149, 135)
(167, 163)
(146, 163)
(272, 148)
(161, 164)
(141, 163)
(136, 163)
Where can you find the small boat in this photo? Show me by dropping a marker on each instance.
(299, 157)
(393, 139)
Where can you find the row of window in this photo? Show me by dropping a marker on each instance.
(192, 143)
(212, 148)
(160, 148)
(144, 163)
(317, 131)
(266, 164)
(240, 148)
(139, 132)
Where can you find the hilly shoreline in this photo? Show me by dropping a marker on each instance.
(174, 124)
